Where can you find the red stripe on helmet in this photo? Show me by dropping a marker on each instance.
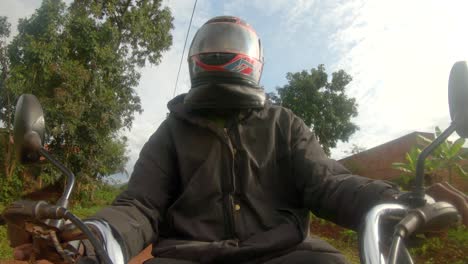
(246, 70)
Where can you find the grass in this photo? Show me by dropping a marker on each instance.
(349, 251)
(444, 247)
(84, 212)
(5, 250)
(344, 240)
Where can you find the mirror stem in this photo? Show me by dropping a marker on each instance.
(63, 201)
(419, 184)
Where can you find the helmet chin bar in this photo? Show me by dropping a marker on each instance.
(222, 78)
(224, 96)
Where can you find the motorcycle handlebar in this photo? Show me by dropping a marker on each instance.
(24, 210)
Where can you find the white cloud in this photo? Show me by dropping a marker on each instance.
(16, 9)
(237, 7)
(400, 54)
(290, 15)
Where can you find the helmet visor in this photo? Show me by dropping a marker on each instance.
(226, 38)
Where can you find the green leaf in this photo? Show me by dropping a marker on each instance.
(399, 164)
(425, 140)
(456, 147)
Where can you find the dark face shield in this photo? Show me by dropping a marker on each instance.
(224, 96)
(222, 37)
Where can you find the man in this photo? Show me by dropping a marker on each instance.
(230, 178)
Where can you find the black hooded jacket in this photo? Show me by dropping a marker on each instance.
(209, 194)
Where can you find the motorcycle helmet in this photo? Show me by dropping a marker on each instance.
(225, 64)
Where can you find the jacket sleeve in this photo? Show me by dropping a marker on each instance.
(135, 214)
(328, 189)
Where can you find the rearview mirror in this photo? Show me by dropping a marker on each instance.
(458, 97)
(458, 104)
(28, 128)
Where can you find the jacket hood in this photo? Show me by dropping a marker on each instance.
(179, 109)
(176, 105)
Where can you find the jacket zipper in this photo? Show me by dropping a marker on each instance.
(229, 199)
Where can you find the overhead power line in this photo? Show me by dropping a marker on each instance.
(183, 51)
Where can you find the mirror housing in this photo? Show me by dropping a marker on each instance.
(28, 129)
(458, 104)
(458, 97)
(29, 135)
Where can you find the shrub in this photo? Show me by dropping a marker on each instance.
(10, 189)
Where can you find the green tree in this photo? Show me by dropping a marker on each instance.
(82, 61)
(6, 105)
(323, 105)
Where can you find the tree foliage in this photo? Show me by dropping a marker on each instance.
(323, 105)
(82, 61)
(7, 160)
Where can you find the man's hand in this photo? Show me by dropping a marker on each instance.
(447, 193)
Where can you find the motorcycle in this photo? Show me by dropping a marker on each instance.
(418, 213)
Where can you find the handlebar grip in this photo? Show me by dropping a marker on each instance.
(410, 224)
(25, 210)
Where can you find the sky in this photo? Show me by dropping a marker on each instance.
(399, 54)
